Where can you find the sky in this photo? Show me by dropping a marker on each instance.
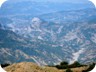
(54, 0)
(72, 1)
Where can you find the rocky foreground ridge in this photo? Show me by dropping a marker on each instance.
(32, 67)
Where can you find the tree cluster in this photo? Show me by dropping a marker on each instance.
(4, 65)
(65, 65)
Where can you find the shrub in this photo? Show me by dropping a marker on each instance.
(61, 66)
(64, 63)
(4, 65)
(75, 64)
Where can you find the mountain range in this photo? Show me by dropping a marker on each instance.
(49, 37)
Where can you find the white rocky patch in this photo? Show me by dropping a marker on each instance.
(36, 20)
(12, 27)
(29, 29)
(56, 57)
(76, 55)
(6, 50)
(60, 29)
(34, 58)
(70, 36)
(39, 37)
(22, 54)
(93, 38)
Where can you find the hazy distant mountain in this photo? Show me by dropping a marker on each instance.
(36, 8)
(49, 38)
(47, 32)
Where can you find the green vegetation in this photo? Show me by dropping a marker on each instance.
(65, 65)
(68, 67)
(5, 65)
(75, 64)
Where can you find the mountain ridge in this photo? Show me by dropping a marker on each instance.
(50, 39)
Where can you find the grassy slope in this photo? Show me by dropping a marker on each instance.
(32, 67)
